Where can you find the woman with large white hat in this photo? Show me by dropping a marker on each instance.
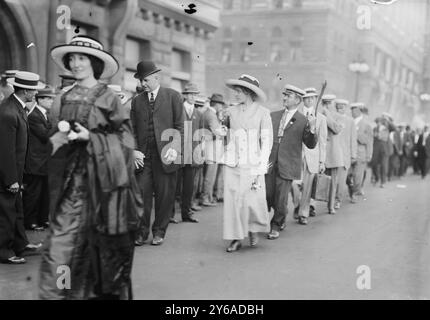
(246, 160)
(96, 200)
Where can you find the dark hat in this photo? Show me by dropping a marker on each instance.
(67, 77)
(190, 88)
(47, 92)
(145, 68)
(217, 98)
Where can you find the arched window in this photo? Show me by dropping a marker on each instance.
(276, 32)
(245, 33)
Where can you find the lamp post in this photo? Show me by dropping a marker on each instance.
(358, 67)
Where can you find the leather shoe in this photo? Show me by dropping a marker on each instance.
(139, 241)
(157, 241)
(173, 220)
(253, 239)
(208, 204)
(196, 208)
(235, 245)
(303, 220)
(273, 235)
(332, 211)
(31, 249)
(312, 212)
(13, 260)
(35, 227)
(296, 213)
(190, 219)
(282, 227)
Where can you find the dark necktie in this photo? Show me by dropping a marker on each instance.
(152, 101)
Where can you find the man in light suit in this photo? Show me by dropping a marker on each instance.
(348, 137)
(290, 130)
(158, 123)
(313, 159)
(334, 154)
(364, 147)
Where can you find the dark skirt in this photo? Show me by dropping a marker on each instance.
(100, 265)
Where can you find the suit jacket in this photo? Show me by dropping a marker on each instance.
(193, 151)
(13, 142)
(314, 156)
(213, 142)
(422, 147)
(39, 147)
(286, 153)
(334, 157)
(364, 141)
(168, 119)
(348, 138)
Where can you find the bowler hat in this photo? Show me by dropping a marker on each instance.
(145, 68)
(217, 98)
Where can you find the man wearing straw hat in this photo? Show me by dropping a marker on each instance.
(36, 191)
(313, 159)
(14, 139)
(291, 129)
(5, 88)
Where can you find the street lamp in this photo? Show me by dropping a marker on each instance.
(358, 67)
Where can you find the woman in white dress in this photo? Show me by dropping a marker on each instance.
(246, 161)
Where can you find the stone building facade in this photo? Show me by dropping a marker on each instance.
(305, 42)
(131, 30)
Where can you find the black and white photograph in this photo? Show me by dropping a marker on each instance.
(230, 152)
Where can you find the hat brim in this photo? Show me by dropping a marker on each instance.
(143, 76)
(111, 65)
(195, 92)
(218, 101)
(309, 95)
(39, 86)
(236, 82)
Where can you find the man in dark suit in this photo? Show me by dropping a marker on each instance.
(422, 148)
(13, 146)
(157, 117)
(36, 190)
(291, 129)
(193, 154)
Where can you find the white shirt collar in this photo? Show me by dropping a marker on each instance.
(189, 108)
(20, 101)
(291, 111)
(358, 119)
(155, 92)
(307, 110)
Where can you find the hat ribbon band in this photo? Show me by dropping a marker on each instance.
(24, 82)
(255, 83)
(86, 44)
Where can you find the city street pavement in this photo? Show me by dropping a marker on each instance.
(388, 231)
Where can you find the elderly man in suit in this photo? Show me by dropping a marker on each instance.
(313, 159)
(36, 190)
(157, 117)
(348, 137)
(290, 130)
(334, 153)
(13, 146)
(364, 147)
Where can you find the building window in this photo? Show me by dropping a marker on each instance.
(228, 33)
(275, 52)
(228, 4)
(245, 52)
(181, 69)
(135, 51)
(246, 4)
(296, 41)
(276, 32)
(226, 52)
(278, 4)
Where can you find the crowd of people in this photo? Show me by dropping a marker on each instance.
(90, 165)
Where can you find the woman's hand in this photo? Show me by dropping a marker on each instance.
(82, 133)
(58, 140)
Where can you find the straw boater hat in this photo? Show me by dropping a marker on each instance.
(341, 101)
(310, 92)
(9, 74)
(26, 80)
(248, 82)
(89, 46)
(358, 105)
(190, 88)
(328, 97)
(294, 89)
(46, 92)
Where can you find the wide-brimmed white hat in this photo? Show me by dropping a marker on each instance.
(89, 46)
(26, 80)
(249, 82)
(341, 101)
